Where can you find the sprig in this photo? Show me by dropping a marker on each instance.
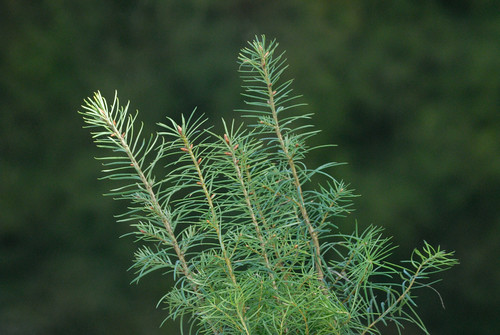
(253, 246)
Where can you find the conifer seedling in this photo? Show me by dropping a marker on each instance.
(252, 245)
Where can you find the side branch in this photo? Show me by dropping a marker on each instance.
(233, 153)
(188, 148)
(122, 142)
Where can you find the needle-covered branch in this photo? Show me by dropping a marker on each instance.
(253, 245)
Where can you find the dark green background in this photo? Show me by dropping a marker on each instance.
(410, 90)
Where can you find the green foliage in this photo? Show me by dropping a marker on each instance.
(252, 250)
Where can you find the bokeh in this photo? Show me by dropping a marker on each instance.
(409, 90)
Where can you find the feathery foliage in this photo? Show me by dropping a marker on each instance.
(251, 249)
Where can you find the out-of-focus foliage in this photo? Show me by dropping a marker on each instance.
(410, 90)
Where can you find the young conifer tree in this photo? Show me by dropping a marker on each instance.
(251, 248)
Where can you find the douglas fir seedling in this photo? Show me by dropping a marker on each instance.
(252, 249)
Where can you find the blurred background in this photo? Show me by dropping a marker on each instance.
(409, 90)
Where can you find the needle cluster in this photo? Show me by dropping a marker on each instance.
(253, 248)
